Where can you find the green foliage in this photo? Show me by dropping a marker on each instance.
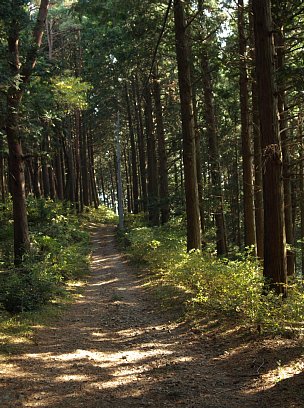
(59, 252)
(27, 291)
(70, 92)
(229, 288)
(100, 215)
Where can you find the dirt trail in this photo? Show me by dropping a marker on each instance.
(115, 348)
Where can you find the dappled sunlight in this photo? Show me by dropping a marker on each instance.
(72, 377)
(114, 348)
(105, 282)
(283, 372)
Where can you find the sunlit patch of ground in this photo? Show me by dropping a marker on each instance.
(115, 348)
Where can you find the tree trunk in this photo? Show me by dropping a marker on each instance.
(44, 163)
(189, 151)
(221, 238)
(2, 178)
(258, 172)
(275, 264)
(141, 146)
(103, 190)
(258, 166)
(283, 126)
(153, 197)
(83, 157)
(112, 187)
(16, 170)
(70, 176)
(118, 171)
(301, 188)
(249, 221)
(133, 155)
(14, 96)
(58, 168)
(126, 159)
(199, 169)
(92, 174)
(162, 154)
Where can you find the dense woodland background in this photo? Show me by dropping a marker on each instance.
(172, 110)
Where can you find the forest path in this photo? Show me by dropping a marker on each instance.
(115, 348)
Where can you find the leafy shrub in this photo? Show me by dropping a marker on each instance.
(26, 291)
(231, 288)
(59, 251)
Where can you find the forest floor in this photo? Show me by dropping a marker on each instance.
(115, 347)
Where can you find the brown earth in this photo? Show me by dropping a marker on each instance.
(115, 347)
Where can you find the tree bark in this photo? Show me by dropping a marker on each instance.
(83, 157)
(118, 171)
(249, 221)
(189, 151)
(141, 146)
(133, 155)
(221, 237)
(162, 154)
(275, 263)
(258, 166)
(283, 126)
(92, 173)
(153, 195)
(14, 97)
(126, 166)
(2, 177)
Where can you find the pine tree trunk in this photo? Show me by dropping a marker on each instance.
(275, 263)
(189, 148)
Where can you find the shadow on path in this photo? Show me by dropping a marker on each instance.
(114, 348)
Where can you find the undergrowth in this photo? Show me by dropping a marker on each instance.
(52, 271)
(213, 287)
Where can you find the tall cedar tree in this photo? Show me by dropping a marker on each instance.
(189, 152)
(275, 264)
(162, 154)
(20, 74)
(249, 221)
